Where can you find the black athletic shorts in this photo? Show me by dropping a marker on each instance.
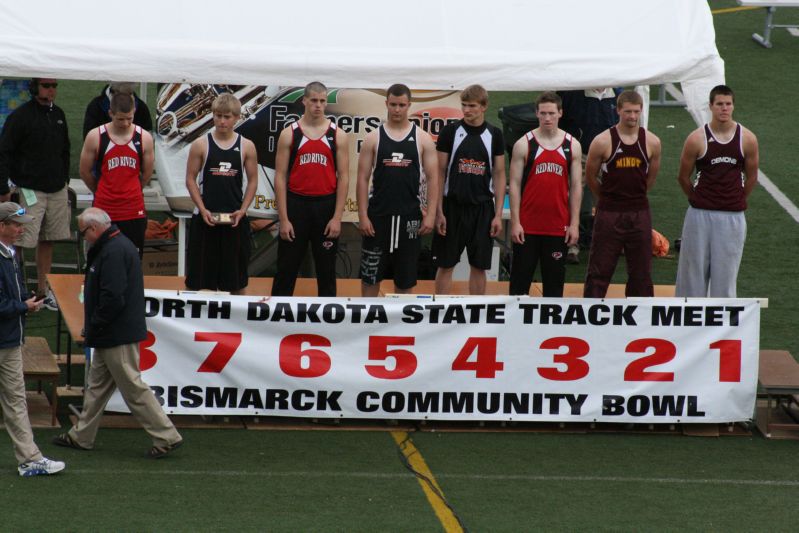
(217, 256)
(396, 242)
(468, 226)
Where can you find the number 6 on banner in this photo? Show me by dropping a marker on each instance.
(292, 356)
(226, 346)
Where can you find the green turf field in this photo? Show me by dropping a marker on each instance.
(236, 480)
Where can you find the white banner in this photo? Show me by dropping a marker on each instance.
(658, 360)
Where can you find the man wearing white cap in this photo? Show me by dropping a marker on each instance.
(15, 303)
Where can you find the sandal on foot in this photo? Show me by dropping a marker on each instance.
(156, 452)
(67, 442)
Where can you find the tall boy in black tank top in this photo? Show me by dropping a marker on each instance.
(397, 157)
(219, 252)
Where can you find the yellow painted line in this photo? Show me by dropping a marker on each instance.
(444, 514)
(734, 9)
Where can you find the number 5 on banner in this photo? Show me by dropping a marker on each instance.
(404, 360)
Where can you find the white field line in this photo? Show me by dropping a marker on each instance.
(778, 195)
(468, 477)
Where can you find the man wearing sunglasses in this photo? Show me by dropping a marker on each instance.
(34, 155)
(15, 303)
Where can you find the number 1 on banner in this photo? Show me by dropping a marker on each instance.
(485, 364)
(729, 359)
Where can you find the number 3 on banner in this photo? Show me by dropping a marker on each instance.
(576, 368)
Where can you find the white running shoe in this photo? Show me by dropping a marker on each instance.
(42, 467)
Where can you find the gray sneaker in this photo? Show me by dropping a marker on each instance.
(42, 467)
(49, 302)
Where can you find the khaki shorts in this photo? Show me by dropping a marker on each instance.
(51, 218)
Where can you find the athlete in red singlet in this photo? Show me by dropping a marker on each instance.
(311, 184)
(545, 196)
(116, 163)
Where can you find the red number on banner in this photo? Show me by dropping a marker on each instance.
(664, 352)
(404, 360)
(485, 364)
(576, 368)
(729, 359)
(226, 346)
(147, 357)
(304, 363)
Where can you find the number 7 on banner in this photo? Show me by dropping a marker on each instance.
(226, 346)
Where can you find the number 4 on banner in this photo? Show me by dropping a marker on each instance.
(485, 364)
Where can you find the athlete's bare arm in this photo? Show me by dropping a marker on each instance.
(441, 220)
(499, 180)
(517, 159)
(333, 228)
(365, 164)
(282, 157)
(430, 165)
(691, 151)
(88, 156)
(147, 157)
(598, 152)
(194, 165)
(653, 150)
(575, 193)
(751, 160)
(251, 171)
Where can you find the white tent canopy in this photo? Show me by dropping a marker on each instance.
(427, 44)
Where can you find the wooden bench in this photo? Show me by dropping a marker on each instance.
(38, 363)
(770, 6)
(779, 380)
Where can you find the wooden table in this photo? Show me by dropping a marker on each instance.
(39, 364)
(779, 379)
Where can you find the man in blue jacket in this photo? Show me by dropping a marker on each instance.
(114, 325)
(15, 303)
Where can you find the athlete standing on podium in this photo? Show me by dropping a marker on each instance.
(311, 184)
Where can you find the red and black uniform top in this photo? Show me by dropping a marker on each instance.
(312, 163)
(119, 186)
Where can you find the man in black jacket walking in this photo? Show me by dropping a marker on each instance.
(114, 325)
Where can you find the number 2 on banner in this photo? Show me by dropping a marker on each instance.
(226, 346)
(485, 365)
(664, 351)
